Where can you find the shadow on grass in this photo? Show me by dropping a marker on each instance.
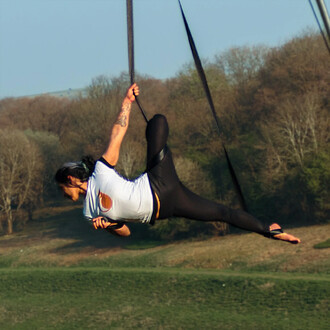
(66, 221)
(72, 225)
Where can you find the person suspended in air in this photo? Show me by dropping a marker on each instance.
(111, 201)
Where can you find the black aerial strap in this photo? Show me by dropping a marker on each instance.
(130, 39)
(202, 76)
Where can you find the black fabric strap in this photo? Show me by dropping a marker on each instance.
(202, 76)
(130, 39)
(157, 158)
(117, 225)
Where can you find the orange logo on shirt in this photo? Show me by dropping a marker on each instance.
(105, 202)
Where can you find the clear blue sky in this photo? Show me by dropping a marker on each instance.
(54, 45)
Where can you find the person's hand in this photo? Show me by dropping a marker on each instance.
(112, 227)
(132, 92)
(100, 222)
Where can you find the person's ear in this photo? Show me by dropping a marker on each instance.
(71, 179)
(75, 182)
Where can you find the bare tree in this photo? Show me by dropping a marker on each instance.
(40, 113)
(132, 158)
(298, 128)
(19, 170)
(242, 64)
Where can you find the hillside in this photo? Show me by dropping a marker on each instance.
(59, 237)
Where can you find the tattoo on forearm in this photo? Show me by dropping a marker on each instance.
(122, 119)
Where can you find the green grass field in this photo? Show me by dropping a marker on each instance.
(59, 275)
(102, 298)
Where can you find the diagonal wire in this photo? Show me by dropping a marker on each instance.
(320, 27)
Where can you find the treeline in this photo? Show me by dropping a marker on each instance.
(273, 108)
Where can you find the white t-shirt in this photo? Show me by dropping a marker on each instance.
(112, 196)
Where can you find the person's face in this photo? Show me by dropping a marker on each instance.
(70, 192)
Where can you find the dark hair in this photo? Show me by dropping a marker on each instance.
(81, 170)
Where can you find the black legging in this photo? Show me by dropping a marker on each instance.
(177, 200)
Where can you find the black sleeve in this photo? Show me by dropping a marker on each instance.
(102, 160)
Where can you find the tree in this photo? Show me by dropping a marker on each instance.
(299, 127)
(132, 158)
(49, 147)
(298, 67)
(19, 174)
(241, 66)
(295, 138)
(41, 113)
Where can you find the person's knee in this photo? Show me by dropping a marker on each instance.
(157, 125)
(159, 119)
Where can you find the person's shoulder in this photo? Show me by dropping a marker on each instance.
(103, 166)
(103, 162)
(103, 173)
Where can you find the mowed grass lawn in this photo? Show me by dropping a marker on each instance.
(60, 274)
(128, 298)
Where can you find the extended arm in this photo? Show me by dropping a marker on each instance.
(115, 228)
(119, 128)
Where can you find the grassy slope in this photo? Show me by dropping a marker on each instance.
(61, 238)
(233, 282)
